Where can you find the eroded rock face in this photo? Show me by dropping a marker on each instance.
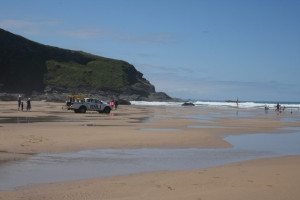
(158, 96)
(53, 73)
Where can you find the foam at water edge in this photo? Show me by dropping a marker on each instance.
(217, 104)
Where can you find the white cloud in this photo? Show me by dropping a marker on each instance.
(154, 38)
(41, 27)
(85, 33)
(31, 27)
(205, 88)
(120, 36)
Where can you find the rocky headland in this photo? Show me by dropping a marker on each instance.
(50, 73)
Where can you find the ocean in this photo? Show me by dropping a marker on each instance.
(223, 104)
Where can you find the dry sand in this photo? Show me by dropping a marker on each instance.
(136, 127)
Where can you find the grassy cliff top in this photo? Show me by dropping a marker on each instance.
(29, 66)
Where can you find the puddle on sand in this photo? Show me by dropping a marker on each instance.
(205, 126)
(103, 125)
(30, 119)
(159, 129)
(213, 116)
(290, 119)
(46, 168)
(139, 119)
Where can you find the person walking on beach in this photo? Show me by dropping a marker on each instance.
(278, 107)
(28, 107)
(266, 109)
(19, 102)
(22, 105)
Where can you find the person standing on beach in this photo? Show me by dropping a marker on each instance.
(28, 107)
(112, 104)
(22, 106)
(116, 104)
(19, 101)
(278, 107)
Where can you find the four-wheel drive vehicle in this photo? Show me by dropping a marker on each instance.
(89, 104)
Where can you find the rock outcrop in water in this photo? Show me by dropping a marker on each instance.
(187, 104)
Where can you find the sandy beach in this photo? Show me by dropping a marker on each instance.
(49, 127)
(207, 96)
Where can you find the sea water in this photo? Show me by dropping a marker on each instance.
(243, 104)
(232, 110)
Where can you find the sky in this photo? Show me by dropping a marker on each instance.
(191, 49)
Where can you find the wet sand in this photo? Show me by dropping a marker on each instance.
(49, 128)
(273, 179)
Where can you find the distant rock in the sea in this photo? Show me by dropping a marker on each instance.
(188, 104)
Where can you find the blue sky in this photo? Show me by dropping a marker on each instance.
(199, 49)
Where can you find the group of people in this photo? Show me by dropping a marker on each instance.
(21, 104)
(278, 108)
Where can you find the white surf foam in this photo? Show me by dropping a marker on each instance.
(216, 104)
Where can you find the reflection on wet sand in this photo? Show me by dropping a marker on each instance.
(43, 168)
(26, 119)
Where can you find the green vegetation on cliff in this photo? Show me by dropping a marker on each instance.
(28, 66)
(96, 74)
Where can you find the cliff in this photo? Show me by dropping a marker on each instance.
(29, 67)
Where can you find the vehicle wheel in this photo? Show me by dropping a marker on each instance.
(82, 109)
(107, 110)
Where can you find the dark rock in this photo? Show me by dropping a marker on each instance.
(123, 102)
(188, 104)
(158, 96)
(8, 97)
